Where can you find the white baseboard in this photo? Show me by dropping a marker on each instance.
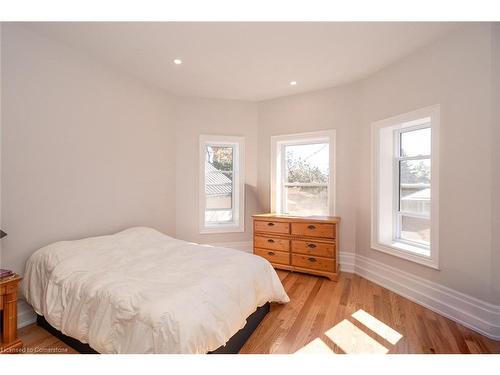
(25, 314)
(469, 311)
(347, 261)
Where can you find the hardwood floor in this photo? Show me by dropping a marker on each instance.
(352, 315)
(36, 340)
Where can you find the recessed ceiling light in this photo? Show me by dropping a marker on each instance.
(177, 61)
(293, 83)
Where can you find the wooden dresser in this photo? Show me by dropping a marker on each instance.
(9, 342)
(302, 244)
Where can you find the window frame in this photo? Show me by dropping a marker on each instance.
(397, 213)
(238, 181)
(380, 239)
(278, 143)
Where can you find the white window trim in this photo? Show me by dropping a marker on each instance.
(238, 185)
(400, 249)
(276, 146)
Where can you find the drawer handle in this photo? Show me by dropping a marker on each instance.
(311, 227)
(271, 253)
(312, 260)
(270, 224)
(270, 240)
(311, 245)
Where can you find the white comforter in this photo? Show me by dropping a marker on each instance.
(140, 291)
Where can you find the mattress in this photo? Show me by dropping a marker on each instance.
(141, 291)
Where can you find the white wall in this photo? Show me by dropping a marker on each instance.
(85, 151)
(335, 108)
(455, 72)
(195, 116)
(1, 248)
(495, 162)
(88, 151)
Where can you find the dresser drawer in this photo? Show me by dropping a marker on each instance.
(314, 248)
(273, 243)
(315, 263)
(272, 227)
(313, 230)
(274, 256)
(11, 288)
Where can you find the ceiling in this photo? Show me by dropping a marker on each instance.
(248, 60)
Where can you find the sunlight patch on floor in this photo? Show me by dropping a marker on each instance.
(377, 326)
(352, 340)
(317, 346)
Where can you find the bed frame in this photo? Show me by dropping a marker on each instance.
(233, 346)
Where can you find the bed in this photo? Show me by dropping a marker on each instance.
(141, 291)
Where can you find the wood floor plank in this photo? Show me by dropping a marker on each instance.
(325, 302)
(319, 307)
(302, 322)
(271, 332)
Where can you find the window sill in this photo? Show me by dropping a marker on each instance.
(407, 252)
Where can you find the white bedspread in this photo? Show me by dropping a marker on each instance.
(140, 291)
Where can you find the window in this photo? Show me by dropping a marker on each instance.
(302, 180)
(413, 175)
(405, 186)
(221, 184)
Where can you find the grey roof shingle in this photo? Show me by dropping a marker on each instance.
(216, 182)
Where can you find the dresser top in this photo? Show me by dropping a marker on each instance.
(278, 217)
(9, 279)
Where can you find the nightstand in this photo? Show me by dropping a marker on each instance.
(9, 342)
